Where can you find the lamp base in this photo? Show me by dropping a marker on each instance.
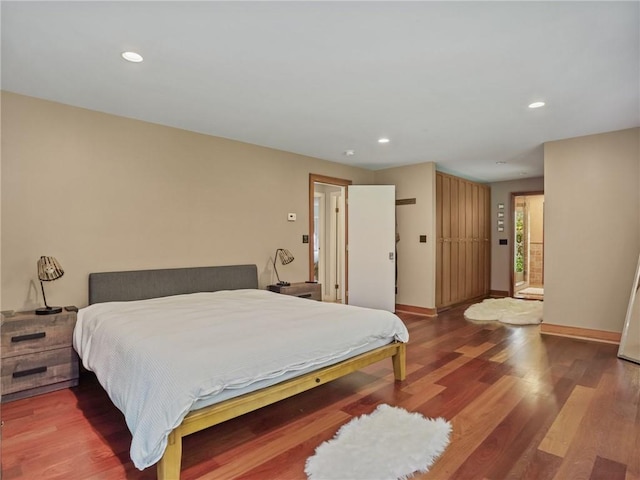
(284, 284)
(48, 310)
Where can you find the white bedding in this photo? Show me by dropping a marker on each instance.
(158, 359)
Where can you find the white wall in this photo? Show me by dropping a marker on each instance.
(500, 254)
(416, 261)
(592, 228)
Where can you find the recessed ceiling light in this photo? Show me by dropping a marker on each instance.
(132, 57)
(349, 153)
(383, 140)
(501, 162)
(536, 105)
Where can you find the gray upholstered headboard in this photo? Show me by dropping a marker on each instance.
(143, 284)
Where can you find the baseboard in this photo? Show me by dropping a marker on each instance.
(468, 301)
(582, 333)
(428, 312)
(498, 293)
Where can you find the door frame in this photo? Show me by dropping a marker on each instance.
(336, 249)
(321, 267)
(512, 238)
(338, 182)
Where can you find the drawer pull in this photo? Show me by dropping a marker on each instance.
(31, 371)
(305, 295)
(30, 336)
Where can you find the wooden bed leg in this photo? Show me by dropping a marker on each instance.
(400, 362)
(170, 463)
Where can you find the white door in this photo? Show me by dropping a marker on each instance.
(371, 223)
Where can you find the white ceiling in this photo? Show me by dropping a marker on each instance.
(447, 82)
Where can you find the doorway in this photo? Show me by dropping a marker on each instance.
(328, 236)
(527, 259)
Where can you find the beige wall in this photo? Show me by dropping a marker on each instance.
(101, 192)
(592, 228)
(536, 216)
(416, 261)
(500, 254)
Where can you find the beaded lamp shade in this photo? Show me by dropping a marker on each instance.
(49, 269)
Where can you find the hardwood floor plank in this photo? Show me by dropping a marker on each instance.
(275, 443)
(523, 459)
(470, 371)
(542, 466)
(437, 360)
(415, 386)
(598, 365)
(475, 422)
(608, 427)
(507, 443)
(605, 469)
(633, 466)
(615, 405)
(565, 426)
(494, 371)
(416, 403)
(475, 350)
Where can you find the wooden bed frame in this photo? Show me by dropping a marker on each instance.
(169, 465)
(138, 285)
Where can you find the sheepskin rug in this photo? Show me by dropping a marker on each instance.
(388, 444)
(506, 310)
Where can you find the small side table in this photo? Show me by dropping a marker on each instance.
(37, 354)
(312, 291)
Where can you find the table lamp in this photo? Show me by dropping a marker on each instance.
(286, 258)
(48, 270)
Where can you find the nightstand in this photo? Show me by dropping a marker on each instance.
(312, 291)
(37, 354)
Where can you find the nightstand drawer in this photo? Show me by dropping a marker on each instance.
(37, 369)
(23, 334)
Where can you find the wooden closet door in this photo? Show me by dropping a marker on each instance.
(462, 228)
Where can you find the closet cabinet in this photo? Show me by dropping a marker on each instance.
(463, 230)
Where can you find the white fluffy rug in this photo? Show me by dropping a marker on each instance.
(388, 444)
(532, 291)
(506, 310)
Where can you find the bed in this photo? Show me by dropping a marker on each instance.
(247, 348)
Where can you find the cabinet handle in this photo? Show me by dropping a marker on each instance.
(31, 371)
(305, 295)
(29, 336)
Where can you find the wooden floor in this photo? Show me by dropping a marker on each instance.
(522, 407)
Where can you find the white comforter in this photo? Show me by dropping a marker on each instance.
(156, 358)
